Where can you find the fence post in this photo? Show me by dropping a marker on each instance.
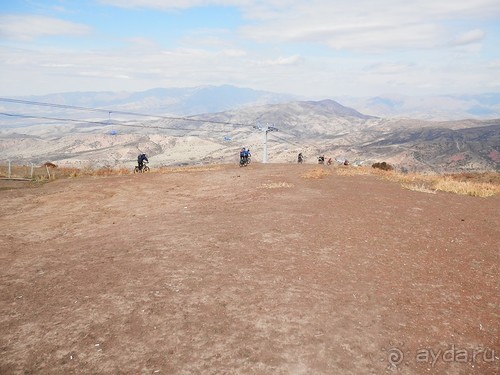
(9, 170)
(31, 176)
(48, 171)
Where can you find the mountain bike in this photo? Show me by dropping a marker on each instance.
(144, 168)
(245, 161)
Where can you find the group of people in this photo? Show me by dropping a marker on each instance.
(245, 155)
(244, 158)
(321, 160)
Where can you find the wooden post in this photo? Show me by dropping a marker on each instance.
(31, 175)
(9, 169)
(48, 171)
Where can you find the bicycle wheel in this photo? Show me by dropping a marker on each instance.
(145, 169)
(136, 170)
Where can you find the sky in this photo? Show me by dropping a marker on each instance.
(310, 48)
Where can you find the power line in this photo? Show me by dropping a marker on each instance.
(127, 113)
(286, 140)
(106, 123)
(296, 144)
(109, 111)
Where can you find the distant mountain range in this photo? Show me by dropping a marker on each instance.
(439, 107)
(211, 99)
(167, 101)
(326, 127)
(210, 124)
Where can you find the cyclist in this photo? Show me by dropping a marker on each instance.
(243, 152)
(140, 161)
(247, 155)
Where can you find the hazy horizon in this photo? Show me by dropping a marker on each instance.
(296, 96)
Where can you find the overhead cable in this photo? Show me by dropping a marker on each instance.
(107, 123)
(110, 111)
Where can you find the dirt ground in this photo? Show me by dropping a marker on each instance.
(252, 270)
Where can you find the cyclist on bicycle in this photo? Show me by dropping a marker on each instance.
(140, 161)
(242, 155)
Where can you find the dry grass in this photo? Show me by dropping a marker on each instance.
(41, 174)
(275, 185)
(490, 177)
(192, 168)
(112, 172)
(353, 171)
(88, 171)
(418, 187)
(317, 173)
(484, 184)
(463, 184)
(475, 189)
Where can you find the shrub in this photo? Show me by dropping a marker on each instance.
(383, 166)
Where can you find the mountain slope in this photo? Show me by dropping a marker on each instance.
(323, 127)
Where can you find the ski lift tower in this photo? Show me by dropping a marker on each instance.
(265, 130)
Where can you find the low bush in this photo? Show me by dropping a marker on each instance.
(383, 166)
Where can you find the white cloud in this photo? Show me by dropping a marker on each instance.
(234, 52)
(266, 9)
(289, 60)
(369, 25)
(172, 4)
(30, 27)
(494, 64)
(143, 43)
(103, 74)
(469, 37)
(388, 68)
(296, 46)
(363, 24)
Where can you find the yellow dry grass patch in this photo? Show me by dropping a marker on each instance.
(353, 171)
(475, 189)
(317, 173)
(485, 184)
(464, 184)
(89, 171)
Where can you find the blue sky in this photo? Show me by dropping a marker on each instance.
(310, 48)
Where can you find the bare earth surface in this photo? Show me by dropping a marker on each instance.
(247, 271)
